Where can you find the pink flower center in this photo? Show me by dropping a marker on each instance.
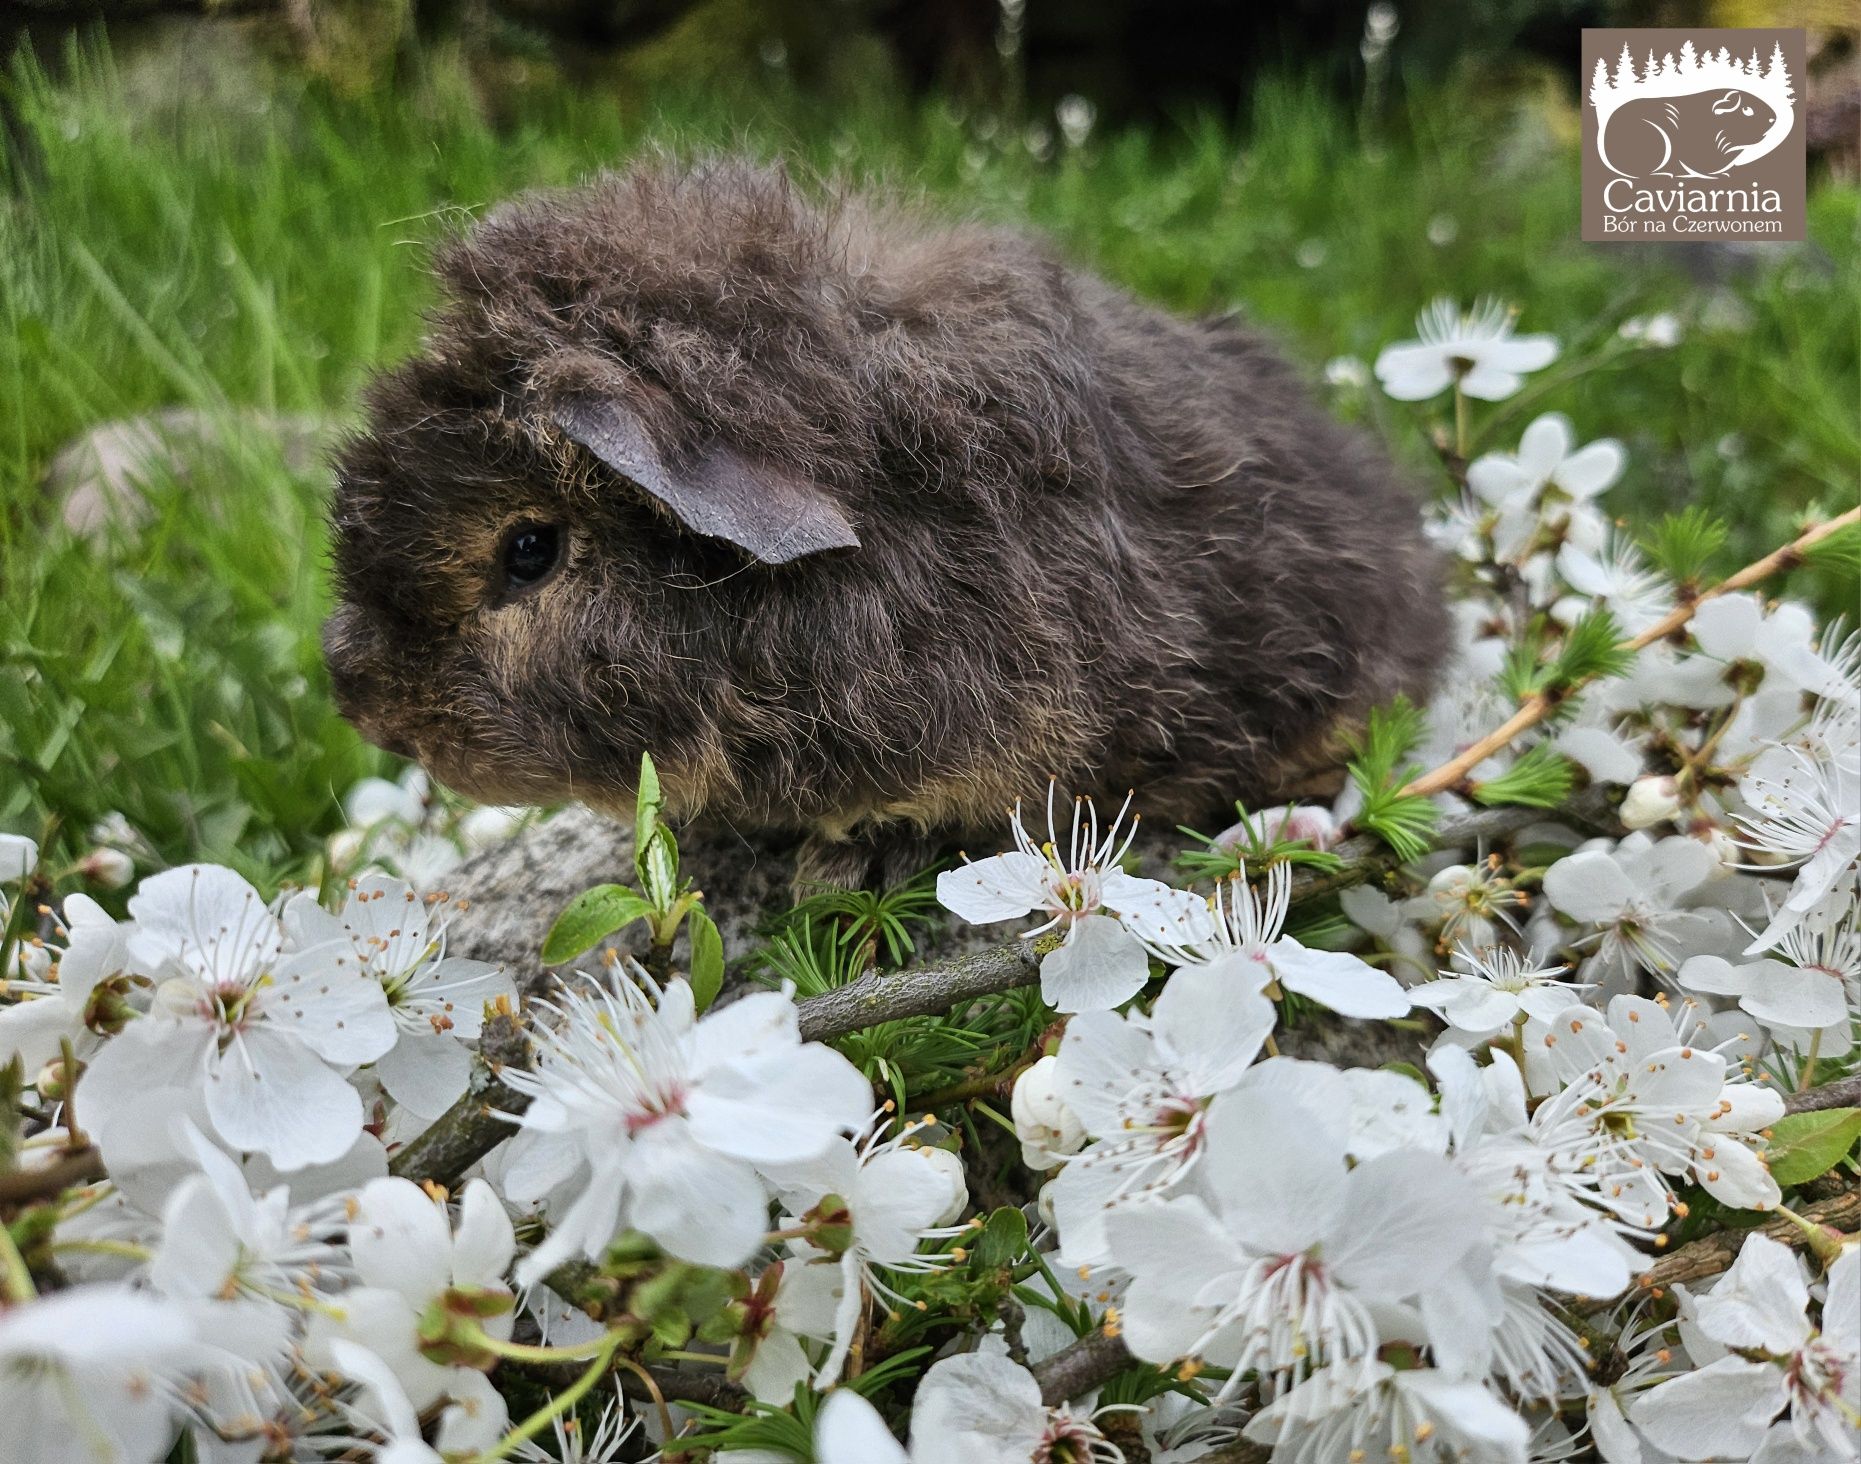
(655, 1108)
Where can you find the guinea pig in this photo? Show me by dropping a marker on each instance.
(865, 526)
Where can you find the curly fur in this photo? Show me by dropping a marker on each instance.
(1098, 542)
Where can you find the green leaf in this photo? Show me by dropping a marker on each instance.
(1804, 1145)
(1003, 1240)
(591, 917)
(707, 957)
(657, 865)
(646, 804)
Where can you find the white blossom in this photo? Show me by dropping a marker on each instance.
(1370, 1410)
(1550, 480)
(264, 1033)
(1048, 1129)
(894, 1197)
(1476, 351)
(91, 1374)
(1103, 911)
(974, 1408)
(1248, 945)
(1490, 989)
(408, 1257)
(1638, 1105)
(1809, 987)
(1283, 1266)
(1632, 895)
(658, 1119)
(1805, 811)
(1778, 1359)
(1141, 1087)
(437, 1001)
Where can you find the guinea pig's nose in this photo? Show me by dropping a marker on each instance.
(351, 654)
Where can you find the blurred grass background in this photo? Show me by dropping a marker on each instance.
(251, 249)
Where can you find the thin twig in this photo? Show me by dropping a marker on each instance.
(1537, 706)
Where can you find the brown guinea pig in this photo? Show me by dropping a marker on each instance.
(863, 526)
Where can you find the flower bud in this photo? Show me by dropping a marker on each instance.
(18, 857)
(830, 1225)
(1451, 884)
(51, 1080)
(108, 1009)
(345, 847)
(109, 868)
(950, 1170)
(1650, 801)
(1047, 1128)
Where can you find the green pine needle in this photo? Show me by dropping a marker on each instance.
(1684, 544)
(1592, 649)
(1541, 778)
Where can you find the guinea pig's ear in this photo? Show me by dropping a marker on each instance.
(774, 515)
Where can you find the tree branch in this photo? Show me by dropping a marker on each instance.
(938, 987)
(471, 1128)
(1537, 706)
(21, 1187)
(1842, 1093)
(1712, 1255)
(1089, 1363)
(880, 997)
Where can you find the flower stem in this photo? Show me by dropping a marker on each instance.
(652, 1387)
(1807, 1077)
(1516, 1042)
(524, 1352)
(123, 1249)
(15, 1277)
(1462, 436)
(559, 1403)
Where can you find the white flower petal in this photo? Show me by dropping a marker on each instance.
(1719, 1412)
(485, 1244)
(271, 1093)
(1276, 1170)
(850, 1431)
(1100, 966)
(702, 1207)
(425, 1073)
(1338, 980)
(1001, 887)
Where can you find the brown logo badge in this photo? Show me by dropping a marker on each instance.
(1692, 135)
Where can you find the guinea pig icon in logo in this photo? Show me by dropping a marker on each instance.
(1691, 116)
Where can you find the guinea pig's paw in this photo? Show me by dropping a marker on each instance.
(872, 859)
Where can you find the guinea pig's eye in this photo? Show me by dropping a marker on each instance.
(1747, 111)
(531, 551)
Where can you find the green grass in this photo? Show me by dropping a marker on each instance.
(267, 256)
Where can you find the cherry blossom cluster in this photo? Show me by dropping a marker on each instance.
(1342, 1155)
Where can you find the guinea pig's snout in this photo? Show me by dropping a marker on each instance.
(352, 652)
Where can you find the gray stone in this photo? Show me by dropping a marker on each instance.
(99, 481)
